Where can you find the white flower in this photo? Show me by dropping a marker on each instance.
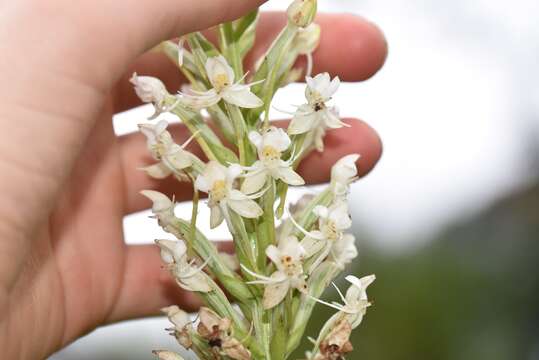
(316, 116)
(186, 274)
(344, 251)
(221, 76)
(305, 43)
(343, 173)
(151, 90)
(332, 222)
(163, 207)
(270, 145)
(356, 302)
(218, 181)
(173, 157)
(288, 259)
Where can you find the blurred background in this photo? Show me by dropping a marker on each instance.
(449, 219)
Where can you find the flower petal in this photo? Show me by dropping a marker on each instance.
(216, 216)
(241, 96)
(246, 208)
(253, 183)
(157, 171)
(304, 120)
(217, 67)
(289, 176)
(275, 293)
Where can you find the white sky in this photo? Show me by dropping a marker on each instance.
(453, 105)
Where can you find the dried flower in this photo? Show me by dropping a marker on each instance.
(302, 12)
(337, 342)
(270, 146)
(182, 325)
(216, 331)
(167, 355)
(221, 76)
(218, 181)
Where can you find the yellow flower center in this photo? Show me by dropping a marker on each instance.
(270, 153)
(218, 192)
(221, 81)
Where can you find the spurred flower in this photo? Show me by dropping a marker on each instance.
(332, 222)
(221, 76)
(185, 272)
(316, 116)
(218, 181)
(305, 43)
(173, 158)
(288, 259)
(355, 303)
(343, 173)
(270, 146)
(162, 208)
(344, 251)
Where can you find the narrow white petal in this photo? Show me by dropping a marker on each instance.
(275, 293)
(256, 139)
(198, 102)
(161, 202)
(289, 176)
(246, 208)
(274, 254)
(241, 96)
(216, 217)
(304, 120)
(157, 171)
(253, 183)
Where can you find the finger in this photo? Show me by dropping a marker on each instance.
(148, 287)
(359, 138)
(358, 57)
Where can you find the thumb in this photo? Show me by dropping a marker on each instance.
(131, 27)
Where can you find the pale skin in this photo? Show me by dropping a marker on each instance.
(66, 179)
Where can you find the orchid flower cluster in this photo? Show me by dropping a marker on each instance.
(257, 303)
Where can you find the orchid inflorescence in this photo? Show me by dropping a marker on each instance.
(285, 257)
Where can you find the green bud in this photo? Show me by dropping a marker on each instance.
(302, 12)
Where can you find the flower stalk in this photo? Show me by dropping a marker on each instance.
(286, 255)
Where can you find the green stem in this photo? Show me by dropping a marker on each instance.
(318, 282)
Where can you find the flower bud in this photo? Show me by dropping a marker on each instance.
(302, 12)
(149, 89)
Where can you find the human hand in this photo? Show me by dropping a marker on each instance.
(67, 180)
